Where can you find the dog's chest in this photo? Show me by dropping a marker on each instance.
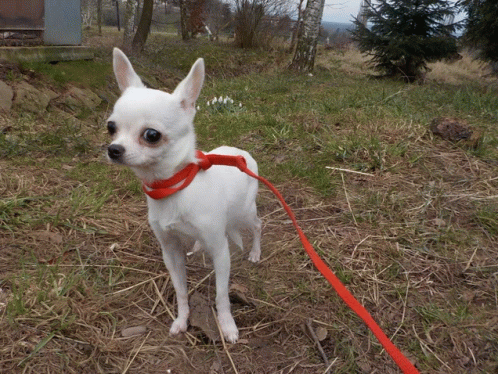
(166, 218)
(185, 232)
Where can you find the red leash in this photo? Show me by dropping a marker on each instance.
(164, 188)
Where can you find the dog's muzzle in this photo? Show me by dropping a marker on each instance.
(115, 151)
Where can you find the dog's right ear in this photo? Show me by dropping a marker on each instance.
(125, 75)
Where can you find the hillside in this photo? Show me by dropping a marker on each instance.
(337, 26)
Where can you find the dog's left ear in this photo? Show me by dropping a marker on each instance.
(125, 75)
(189, 89)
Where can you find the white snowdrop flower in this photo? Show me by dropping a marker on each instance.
(220, 99)
(225, 101)
(240, 105)
(208, 103)
(215, 100)
(198, 107)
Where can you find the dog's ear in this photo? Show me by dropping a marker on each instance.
(125, 75)
(189, 89)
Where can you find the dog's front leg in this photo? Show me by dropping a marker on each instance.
(174, 259)
(221, 261)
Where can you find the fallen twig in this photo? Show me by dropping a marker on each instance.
(317, 342)
(223, 342)
(350, 171)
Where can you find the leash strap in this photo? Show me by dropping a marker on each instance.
(164, 188)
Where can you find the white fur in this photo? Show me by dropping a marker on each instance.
(219, 202)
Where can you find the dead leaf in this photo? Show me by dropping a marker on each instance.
(49, 236)
(238, 287)
(321, 333)
(439, 222)
(201, 316)
(132, 331)
(216, 368)
(238, 294)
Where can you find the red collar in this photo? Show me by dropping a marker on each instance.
(166, 187)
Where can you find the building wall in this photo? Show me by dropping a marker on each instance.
(62, 22)
(21, 15)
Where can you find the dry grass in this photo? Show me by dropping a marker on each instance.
(414, 238)
(351, 60)
(465, 69)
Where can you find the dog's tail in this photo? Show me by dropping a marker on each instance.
(235, 236)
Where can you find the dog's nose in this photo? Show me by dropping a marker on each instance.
(115, 151)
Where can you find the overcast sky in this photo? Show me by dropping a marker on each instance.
(344, 10)
(340, 10)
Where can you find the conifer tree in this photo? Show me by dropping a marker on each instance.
(403, 35)
(481, 29)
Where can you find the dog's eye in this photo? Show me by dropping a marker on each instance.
(152, 136)
(111, 127)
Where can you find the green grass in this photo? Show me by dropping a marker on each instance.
(85, 73)
(60, 137)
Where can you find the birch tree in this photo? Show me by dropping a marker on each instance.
(304, 56)
(129, 23)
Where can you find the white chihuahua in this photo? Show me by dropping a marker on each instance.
(153, 133)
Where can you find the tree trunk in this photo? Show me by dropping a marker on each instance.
(99, 16)
(117, 15)
(129, 24)
(304, 56)
(184, 19)
(298, 25)
(143, 27)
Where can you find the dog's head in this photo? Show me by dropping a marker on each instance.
(152, 131)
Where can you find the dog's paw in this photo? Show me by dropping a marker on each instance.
(231, 335)
(197, 246)
(254, 256)
(179, 325)
(229, 329)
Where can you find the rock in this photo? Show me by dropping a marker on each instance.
(455, 130)
(64, 117)
(6, 95)
(77, 97)
(450, 128)
(31, 99)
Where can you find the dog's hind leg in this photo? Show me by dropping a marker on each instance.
(255, 226)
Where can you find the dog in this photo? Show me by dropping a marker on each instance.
(153, 133)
